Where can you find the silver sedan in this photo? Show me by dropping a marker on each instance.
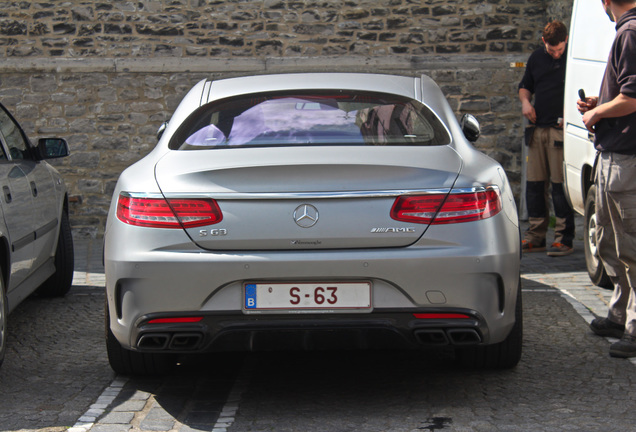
(36, 243)
(313, 211)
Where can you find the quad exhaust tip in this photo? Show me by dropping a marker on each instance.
(169, 342)
(440, 337)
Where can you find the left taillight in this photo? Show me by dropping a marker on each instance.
(438, 209)
(170, 213)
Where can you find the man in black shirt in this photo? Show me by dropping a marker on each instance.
(545, 79)
(612, 117)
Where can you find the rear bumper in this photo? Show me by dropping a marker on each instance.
(161, 290)
(480, 279)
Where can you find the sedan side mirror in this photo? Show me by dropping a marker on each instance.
(470, 127)
(53, 148)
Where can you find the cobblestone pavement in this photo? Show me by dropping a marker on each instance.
(56, 366)
(565, 381)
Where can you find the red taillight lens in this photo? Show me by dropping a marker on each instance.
(455, 208)
(172, 213)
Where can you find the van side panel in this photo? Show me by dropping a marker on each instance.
(591, 36)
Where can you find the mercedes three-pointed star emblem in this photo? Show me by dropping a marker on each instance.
(306, 215)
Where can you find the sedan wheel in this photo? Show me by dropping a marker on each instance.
(61, 281)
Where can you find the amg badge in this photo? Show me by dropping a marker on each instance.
(392, 230)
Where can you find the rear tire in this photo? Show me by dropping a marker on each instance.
(595, 268)
(504, 355)
(3, 321)
(60, 282)
(127, 362)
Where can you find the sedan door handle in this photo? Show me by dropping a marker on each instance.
(7, 194)
(34, 189)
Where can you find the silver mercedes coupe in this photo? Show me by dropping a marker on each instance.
(313, 211)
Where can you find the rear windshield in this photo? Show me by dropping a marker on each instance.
(311, 118)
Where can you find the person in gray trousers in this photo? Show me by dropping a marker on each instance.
(612, 117)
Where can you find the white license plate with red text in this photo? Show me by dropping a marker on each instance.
(306, 296)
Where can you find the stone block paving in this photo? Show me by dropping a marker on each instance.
(565, 381)
(199, 396)
(56, 365)
(568, 275)
(317, 392)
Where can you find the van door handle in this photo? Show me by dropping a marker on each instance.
(591, 136)
(7, 194)
(34, 189)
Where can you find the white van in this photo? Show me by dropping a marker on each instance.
(591, 36)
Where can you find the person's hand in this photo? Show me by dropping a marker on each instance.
(587, 104)
(528, 112)
(590, 118)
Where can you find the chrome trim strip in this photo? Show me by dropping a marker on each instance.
(309, 195)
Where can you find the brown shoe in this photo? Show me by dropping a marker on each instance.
(526, 246)
(624, 348)
(559, 249)
(605, 327)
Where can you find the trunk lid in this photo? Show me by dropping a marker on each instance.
(307, 197)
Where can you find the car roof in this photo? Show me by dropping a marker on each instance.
(401, 85)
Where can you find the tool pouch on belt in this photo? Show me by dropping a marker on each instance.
(527, 135)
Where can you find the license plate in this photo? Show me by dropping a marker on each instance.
(354, 296)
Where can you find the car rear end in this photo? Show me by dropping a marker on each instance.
(278, 232)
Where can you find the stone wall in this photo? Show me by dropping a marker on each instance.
(105, 75)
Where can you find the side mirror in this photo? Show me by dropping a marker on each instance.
(161, 130)
(53, 148)
(470, 127)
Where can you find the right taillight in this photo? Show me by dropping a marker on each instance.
(170, 213)
(437, 209)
